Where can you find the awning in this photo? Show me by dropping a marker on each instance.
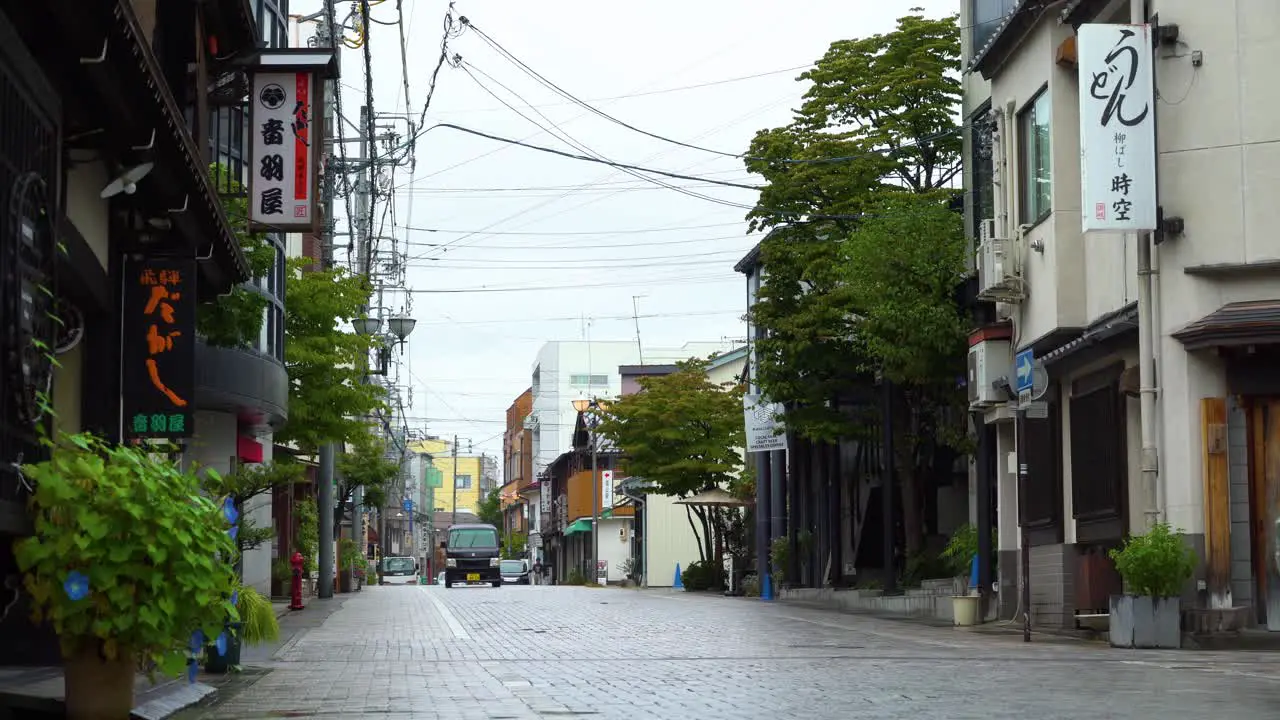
(715, 497)
(582, 525)
(1234, 324)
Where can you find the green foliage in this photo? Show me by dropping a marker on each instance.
(152, 551)
(779, 557)
(886, 105)
(681, 432)
(703, 575)
(1156, 564)
(328, 400)
(258, 623)
(235, 319)
(962, 547)
(751, 585)
(246, 483)
(901, 267)
(575, 577)
(349, 555)
(364, 465)
(308, 533)
(490, 508)
(514, 546)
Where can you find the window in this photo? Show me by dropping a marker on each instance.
(589, 380)
(473, 537)
(985, 19)
(982, 197)
(1033, 140)
(462, 482)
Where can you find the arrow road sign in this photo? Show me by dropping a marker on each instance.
(1024, 370)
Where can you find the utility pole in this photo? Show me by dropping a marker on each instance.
(453, 519)
(595, 500)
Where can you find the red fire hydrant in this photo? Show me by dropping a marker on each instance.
(296, 561)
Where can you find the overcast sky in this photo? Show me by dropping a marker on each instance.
(519, 218)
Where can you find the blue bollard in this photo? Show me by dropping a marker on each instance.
(973, 572)
(679, 582)
(766, 589)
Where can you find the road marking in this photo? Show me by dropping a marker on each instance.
(459, 632)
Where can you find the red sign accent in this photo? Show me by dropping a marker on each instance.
(1100, 211)
(302, 135)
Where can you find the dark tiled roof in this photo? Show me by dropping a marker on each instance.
(1238, 323)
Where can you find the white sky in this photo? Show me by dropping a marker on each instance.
(472, 353)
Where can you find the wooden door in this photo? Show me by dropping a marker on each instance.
(1264, 506)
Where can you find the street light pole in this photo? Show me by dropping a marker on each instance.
(595, 501)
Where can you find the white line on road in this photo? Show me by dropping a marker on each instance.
(459, 632)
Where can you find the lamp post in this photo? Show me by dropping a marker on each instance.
(583, 406)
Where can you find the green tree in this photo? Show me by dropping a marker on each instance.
(682, 432)
(490, 509)
(365, 465)
(878, 117)
(235, 319)
(864, 255)
(246, 483)
(328, 398)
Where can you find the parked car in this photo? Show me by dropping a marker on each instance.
(472, 555)
(514, 572)
(440, 578)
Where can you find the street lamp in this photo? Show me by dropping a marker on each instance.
(366, 326)
(401, 326)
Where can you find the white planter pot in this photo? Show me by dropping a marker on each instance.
(964, 609)
(1140, 621)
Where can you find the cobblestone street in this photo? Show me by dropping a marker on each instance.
(554, 652)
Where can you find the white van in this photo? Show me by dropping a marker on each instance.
(399, 571)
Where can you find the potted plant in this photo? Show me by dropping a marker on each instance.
(255, 623)
(348, 555)
(128, 563)
(1154, 566)
(959, 555)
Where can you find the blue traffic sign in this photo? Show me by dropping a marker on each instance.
(1024, 370)
(408, 505)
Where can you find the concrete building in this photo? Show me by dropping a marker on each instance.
(475, 474)
(568, 370)
(1204, 459)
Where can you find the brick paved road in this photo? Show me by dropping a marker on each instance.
(558, 652)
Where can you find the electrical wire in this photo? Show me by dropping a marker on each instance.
(648, 93)
(568, 139)
(579, 286)
(628, 231)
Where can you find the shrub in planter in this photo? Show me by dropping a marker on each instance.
(130, 565)
(702, 575)
(1155, 566)
(256, 624)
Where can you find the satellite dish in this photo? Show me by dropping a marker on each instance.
(127, 181)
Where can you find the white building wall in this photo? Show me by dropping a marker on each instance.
(554, 392)
(669, 540)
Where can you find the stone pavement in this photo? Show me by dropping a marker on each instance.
(557, 652)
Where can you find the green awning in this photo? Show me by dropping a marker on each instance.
(582, 525)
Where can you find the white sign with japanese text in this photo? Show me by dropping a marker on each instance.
(763, 424)
(282, 168)
(1117, 128)
(606, 489)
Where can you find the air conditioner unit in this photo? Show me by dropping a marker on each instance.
(989, 360)
(998, 276)
(531, 422)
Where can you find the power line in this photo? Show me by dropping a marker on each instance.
(648, 93)
(517, 321)
(576, 232)
(578, 286)
(649, 243)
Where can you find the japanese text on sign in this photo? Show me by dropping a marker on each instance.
(158, 350)
(283, 165)
(1117, 128)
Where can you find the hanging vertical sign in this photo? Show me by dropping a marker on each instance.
(606, 489)
(286, 105)
(158, 330)
(764, 426)
(1117, 128)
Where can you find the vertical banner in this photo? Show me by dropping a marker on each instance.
(1117, 128)
(282, 170)
(158, 331)
(606, 489)
(765, 430)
